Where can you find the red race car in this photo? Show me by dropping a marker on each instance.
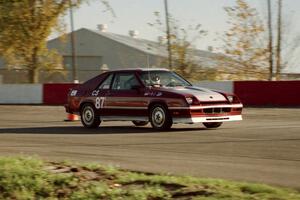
(158, 96)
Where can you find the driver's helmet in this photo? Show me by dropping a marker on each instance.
(155, 80)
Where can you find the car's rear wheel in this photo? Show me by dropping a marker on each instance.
(140, 123)
(89, 119)
(160, 118)
(212, 124)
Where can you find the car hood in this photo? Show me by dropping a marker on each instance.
(202, 94)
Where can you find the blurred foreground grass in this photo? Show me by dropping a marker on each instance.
(32, 178)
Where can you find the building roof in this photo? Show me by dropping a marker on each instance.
(144, 45)
(205, 58)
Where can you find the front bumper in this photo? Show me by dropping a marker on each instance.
(193, 120)
(207, 113)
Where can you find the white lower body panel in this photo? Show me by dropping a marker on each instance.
(208, 119)
(124, 118)
(176, 120)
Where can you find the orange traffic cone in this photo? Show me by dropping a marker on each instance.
(72, 117)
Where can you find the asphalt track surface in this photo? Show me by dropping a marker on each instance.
(264, 147)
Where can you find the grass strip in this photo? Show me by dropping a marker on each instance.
(31, 178)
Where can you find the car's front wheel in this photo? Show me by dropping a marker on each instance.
(89, 119)
(160, 118)
(212, 124)
(140, 123)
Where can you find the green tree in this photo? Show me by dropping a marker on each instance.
(25, 26)
(245, 46)
(182, 48)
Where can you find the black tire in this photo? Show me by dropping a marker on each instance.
(212, 124)
(89, 119)
(140, 123)
(160, 118)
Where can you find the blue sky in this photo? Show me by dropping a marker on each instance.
(135, 14)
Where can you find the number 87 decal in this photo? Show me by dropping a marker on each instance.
(99, 102)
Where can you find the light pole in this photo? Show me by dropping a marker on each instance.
(73, 47)
(270, 41)
(168, 34)
(279, 36)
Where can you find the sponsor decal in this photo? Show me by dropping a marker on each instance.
(153, 94)
(159, 94)
(73, 93)
(95, 93)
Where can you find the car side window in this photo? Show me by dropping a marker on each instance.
(124, 81)
(106, 83)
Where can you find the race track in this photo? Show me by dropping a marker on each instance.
(265, 147)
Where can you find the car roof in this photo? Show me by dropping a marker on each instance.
(138, 69)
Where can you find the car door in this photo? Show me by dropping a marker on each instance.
(98, 95)
(125, 101)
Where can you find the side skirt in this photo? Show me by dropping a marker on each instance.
(124, 118)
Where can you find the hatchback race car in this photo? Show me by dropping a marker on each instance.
(158, 96)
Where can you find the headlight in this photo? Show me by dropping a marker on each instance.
(189, 100)
(230, 98)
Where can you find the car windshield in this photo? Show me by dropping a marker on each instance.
(163, 79)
